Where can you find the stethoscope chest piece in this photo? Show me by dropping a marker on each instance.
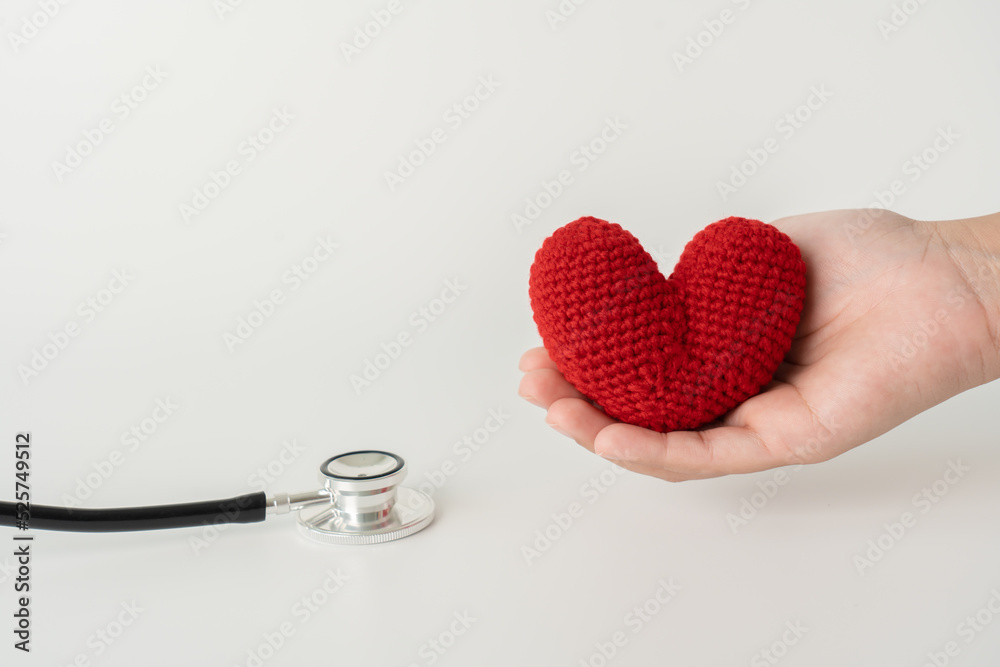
(366, 504)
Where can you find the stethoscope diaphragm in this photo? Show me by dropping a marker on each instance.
(367, 505)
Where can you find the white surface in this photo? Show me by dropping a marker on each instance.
(323, 175)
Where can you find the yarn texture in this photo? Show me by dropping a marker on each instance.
(670, 353)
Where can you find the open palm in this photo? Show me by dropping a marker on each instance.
(891, 326)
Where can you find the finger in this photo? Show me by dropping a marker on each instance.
(677, 455)
(641, 469)
(577, 419)
(545, 386)
(536, 357)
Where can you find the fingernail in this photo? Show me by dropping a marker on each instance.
(610, 455)
(530, 399)
(557, 429)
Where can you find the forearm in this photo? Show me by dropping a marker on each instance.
(974, 245)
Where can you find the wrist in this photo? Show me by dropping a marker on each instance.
(974, 246)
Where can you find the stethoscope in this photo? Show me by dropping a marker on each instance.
(360, 502)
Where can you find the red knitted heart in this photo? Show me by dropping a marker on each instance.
(668, 353)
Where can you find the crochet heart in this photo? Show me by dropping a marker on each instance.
(667, 353)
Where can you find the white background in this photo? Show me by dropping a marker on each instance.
(214, 601)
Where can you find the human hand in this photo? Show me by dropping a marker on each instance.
(899, 315)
